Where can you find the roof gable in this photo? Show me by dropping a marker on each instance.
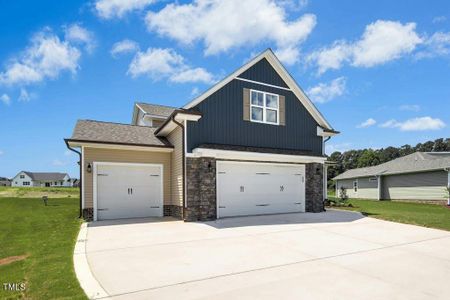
(282, 72)
(263, 71)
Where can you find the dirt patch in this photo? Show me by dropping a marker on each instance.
(11, 259)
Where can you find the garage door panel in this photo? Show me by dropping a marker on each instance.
(258, 188)
(128, 191)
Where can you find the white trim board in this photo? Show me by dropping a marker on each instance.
(279, 68)
(262, 83)
(94, 177)
(254, 156)
(120, 147)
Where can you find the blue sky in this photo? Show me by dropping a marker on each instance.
(378, 70)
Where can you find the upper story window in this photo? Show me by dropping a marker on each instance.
(264, 107)
(22, 176)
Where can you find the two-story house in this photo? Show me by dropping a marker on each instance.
(251, 144)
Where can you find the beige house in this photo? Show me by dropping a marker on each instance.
(418, 176)
(252, 144)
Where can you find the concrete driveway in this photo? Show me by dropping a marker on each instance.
(332, 255)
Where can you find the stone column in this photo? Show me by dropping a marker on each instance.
(314, 187)
(201, 189)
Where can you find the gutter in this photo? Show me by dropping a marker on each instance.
(81, 175)
(183, 155)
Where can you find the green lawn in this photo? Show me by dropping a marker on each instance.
(46, 236)
(38, 192)
(427, 215)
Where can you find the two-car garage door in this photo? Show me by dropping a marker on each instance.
(259, 188)
(128, 191)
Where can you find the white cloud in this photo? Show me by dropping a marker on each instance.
(436, 45)
(68, 153)
(108, 9)
(224, 25)
(342, 147)
(415, 124)
(77, 34)
(195, 92)
(124, 46)
(1, 152)
(158, 63)
(24, 95)
(381, 42)
(410, 107)
(289, 55)
(324, 92)
(439, 19)
(5, 99)
(46, 57)
(367, 123)
(193, 75)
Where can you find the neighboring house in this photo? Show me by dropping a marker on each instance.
(418, 176)
(30, 179)
(5, 181)
(252, 144)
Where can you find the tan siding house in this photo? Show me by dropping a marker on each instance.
(418, 176)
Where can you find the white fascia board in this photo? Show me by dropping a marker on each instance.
(254, 156)
(279, 68)
(187, 117)
(322, 133)
(119, 147)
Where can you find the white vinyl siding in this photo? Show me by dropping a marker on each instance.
(176, 183)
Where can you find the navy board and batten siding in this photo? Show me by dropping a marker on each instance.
(222, 123)
(222, 119)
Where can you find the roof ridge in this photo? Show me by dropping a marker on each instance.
(115, 123)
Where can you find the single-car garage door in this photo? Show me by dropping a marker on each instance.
(259, 188)
(127, 191)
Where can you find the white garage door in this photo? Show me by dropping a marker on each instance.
(128, 191)
(259, 188)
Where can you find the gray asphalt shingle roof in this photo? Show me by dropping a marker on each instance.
(115, 133)
(415, 162)
(157, 110)
(46, 176)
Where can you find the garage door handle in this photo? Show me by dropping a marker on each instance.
(102, 174)
(297, 203)
(262, 204)
(100, 209)
(222, 206)
(154, 206)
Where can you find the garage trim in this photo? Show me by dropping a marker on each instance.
(223, 162)
(94, 173)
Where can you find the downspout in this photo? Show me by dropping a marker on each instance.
(80, 181)
(184, 163)
(325, 172)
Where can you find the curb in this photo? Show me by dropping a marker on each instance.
(89, 284)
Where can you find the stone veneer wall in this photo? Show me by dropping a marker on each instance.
(201, 189)
(175, 211)
(88, 214)
(314, 187)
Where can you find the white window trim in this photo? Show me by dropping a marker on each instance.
(357, 187)
(264, 108)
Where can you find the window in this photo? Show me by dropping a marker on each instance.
(26, 183)
(264, 107)
(22, 176)
(355, 185)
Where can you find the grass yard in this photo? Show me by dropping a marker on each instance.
(37, 244)
(427, 215)
(38, 192)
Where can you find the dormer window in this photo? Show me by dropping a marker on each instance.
(264, 107)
